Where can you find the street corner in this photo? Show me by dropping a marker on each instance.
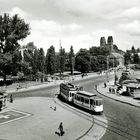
(12, 115)
(99, 127)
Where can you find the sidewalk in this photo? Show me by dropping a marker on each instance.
(35, 85)
(44, 121)
(123, 99)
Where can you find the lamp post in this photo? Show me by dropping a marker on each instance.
(107, 69)
(73, 63)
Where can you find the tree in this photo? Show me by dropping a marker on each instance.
(35, 63)
(104, 50)
(50, 61)
(94, 64)
(82, 61)
(127, 58)
(71, 59)
(12, 29)
(41, 60)
(102, 62)
(94, 51)
(136, 58)
(16, 62)
(61, 60)
(133, 50)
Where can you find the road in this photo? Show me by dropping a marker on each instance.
(123, 120)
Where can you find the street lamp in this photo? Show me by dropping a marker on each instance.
(107, 69)
(73, 63)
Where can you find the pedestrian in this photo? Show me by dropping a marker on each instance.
(82, 75)
(0, 105)
(96, 87)
(61, 129)
(11, 98)
(105, 85)
(109, 89)
(55, 108)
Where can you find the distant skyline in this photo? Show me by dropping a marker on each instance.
(79, 23)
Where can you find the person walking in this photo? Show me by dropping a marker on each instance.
(11, 98)
(96, 87)
(61, 129)
(0, 105)
(105, 85)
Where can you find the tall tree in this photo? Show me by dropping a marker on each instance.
(50, 60)
(94, 64)
(12, 29)
(127, 58)
(35, 62)
(82, 61)
(133, 50)
(136, 58)
(62, 60)
(71, 59)
(41, 60)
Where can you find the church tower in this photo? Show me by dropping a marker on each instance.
(110, 42)
(102, 41)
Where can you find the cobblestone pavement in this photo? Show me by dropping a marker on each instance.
(42, 121)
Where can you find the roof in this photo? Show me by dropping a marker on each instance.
(85, 93)
(69, 85)
(129, 81)
(133, 85)
(116, 55)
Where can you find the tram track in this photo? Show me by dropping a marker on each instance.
(78, 113)
(122, 130)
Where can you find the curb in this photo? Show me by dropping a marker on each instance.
(85, 133)
(118, 100)
(89, 129)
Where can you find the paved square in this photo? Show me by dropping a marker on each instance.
(12, 115)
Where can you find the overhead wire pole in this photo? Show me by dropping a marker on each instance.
(107, 69)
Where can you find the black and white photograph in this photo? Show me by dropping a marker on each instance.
(69, 70)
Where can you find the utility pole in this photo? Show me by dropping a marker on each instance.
(107, 69)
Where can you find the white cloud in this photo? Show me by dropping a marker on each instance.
(53, 28)
(73, 27)
(78, 22)
(131, 12)
(103, 32)
(132, 28)
(45, 33)
(20, 12)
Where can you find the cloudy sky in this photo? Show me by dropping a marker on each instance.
(80, 23)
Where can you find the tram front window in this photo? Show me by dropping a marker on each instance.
(98, 102)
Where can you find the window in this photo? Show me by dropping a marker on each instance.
(78, 98)
(98, 102)
(82, 99)
(86, 101)
(91, 102)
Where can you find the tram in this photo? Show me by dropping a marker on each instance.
(67, 91)
(89, 101)
(3, 99)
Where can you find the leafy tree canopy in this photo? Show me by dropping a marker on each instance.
(12, 29)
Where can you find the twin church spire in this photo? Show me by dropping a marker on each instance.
(109, 42)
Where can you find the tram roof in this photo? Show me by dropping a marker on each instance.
(85, 93)
(68, 85)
